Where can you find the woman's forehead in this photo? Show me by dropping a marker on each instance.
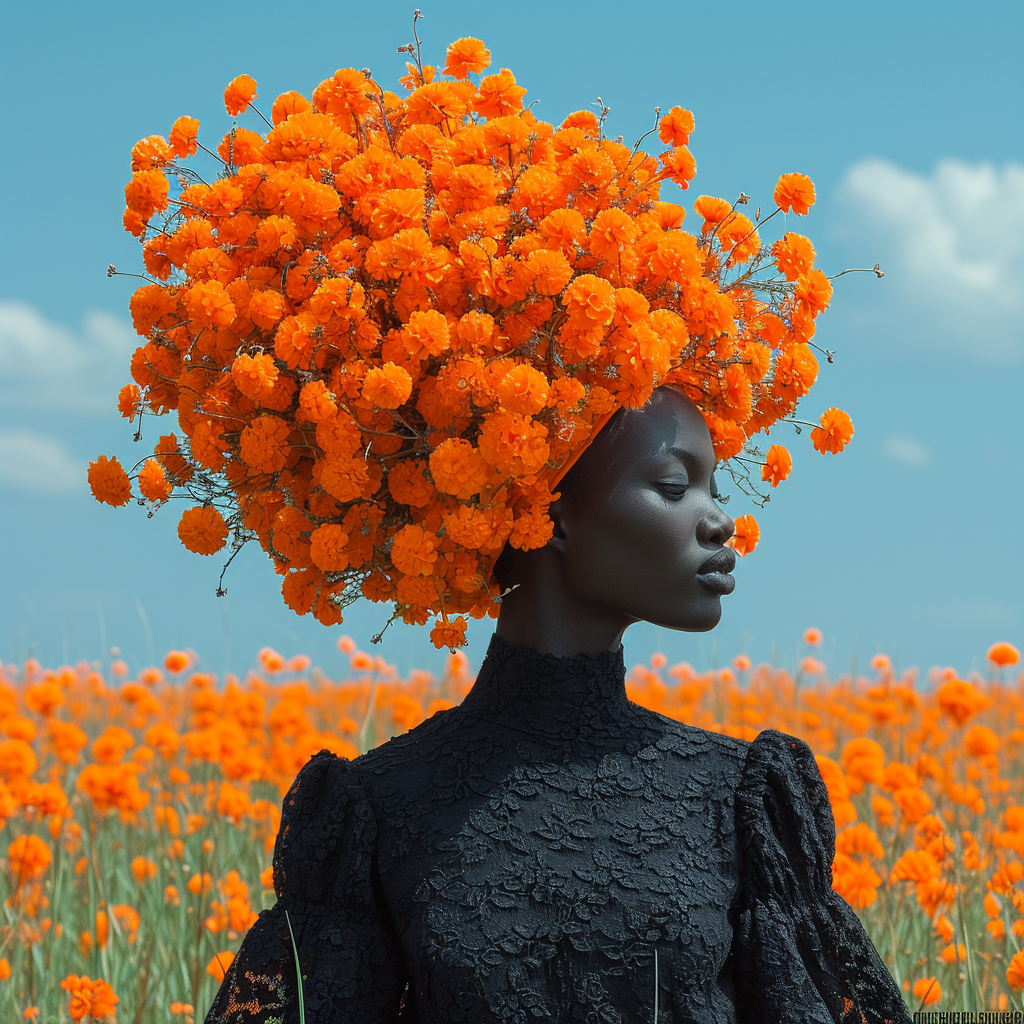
(669, 426)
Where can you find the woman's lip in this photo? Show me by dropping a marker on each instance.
(721, 582)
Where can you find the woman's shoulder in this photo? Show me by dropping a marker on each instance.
(692, 741)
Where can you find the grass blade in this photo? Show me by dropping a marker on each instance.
(298, 970)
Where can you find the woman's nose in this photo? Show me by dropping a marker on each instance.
(716, 527)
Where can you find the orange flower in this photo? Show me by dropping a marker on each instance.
(143, 869)
(777, 465)
(794, 255)
(241, 91)
(794, 192)
(676, 127)
(219, 964)
(835, 432)
(465, 57)
(713, 210)
(177, 661)
(1015, 972)
(102, 929)
(747, 534)
(109, 482)
(458, 468)
(184, 136)
(813, 290)
(320, 332)
(202, 530)
(328, 547)
(153, 482)
(449, 634)
(927, 991)
(264, 444)
(856, 882)
(387, 386)
(128, 401)
(813, 636)
(95, 999)
(1003, 655)
(414, 551)
(28, 857)
(128, 919)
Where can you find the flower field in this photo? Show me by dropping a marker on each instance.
(140, 811)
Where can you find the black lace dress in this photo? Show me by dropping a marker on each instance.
(543, 853)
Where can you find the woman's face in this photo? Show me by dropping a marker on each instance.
(638, 527)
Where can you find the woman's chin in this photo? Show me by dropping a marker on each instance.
(690, 619)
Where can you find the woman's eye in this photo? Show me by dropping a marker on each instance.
(673, 488)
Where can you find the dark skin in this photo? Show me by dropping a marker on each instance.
(638, 536)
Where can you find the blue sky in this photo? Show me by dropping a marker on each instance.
(907, 116)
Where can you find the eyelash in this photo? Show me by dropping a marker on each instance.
(674, 490)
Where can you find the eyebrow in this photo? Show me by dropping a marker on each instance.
(689, 460)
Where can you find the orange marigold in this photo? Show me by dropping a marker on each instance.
(128, 401)
(219, 964)
(834, 433)
(676, 127)
(465, 57)
(777, 465)
(153, 482)
(93, 999)
(109, 482)
(414, 551)
(927, 991)
(746, 535)
(794, 192)
(1015, 972)
(794, 255)
(450, 634)
(28, 857)
(184, 137)
(458, 468)
(240, 92)
(387, 386)
(328, 547)
(1003, 655)
(264, 444)
(202, 529)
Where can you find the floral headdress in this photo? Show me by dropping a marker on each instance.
(390, 322)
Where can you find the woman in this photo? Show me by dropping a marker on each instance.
(549, 851)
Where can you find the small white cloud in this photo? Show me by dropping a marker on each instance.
(46, 366)
(952, 242)
(906, 450)
(34, 462)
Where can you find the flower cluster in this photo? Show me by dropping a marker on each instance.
(391, 321)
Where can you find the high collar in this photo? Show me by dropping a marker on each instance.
(518, 685)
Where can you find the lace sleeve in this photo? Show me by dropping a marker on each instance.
(801, 953)
(324, 880)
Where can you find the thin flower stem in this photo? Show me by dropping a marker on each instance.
(876, 270)
(269, 124)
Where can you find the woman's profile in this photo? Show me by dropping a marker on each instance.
(547, 849)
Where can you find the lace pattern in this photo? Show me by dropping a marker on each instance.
(519, 858)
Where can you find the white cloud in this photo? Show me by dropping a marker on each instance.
(906, 450)
(952, 243)
(45, 366)
(33, 462)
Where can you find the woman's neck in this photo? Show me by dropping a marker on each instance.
(542, 613)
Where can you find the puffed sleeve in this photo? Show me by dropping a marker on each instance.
(324, 877)
(799, 950)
